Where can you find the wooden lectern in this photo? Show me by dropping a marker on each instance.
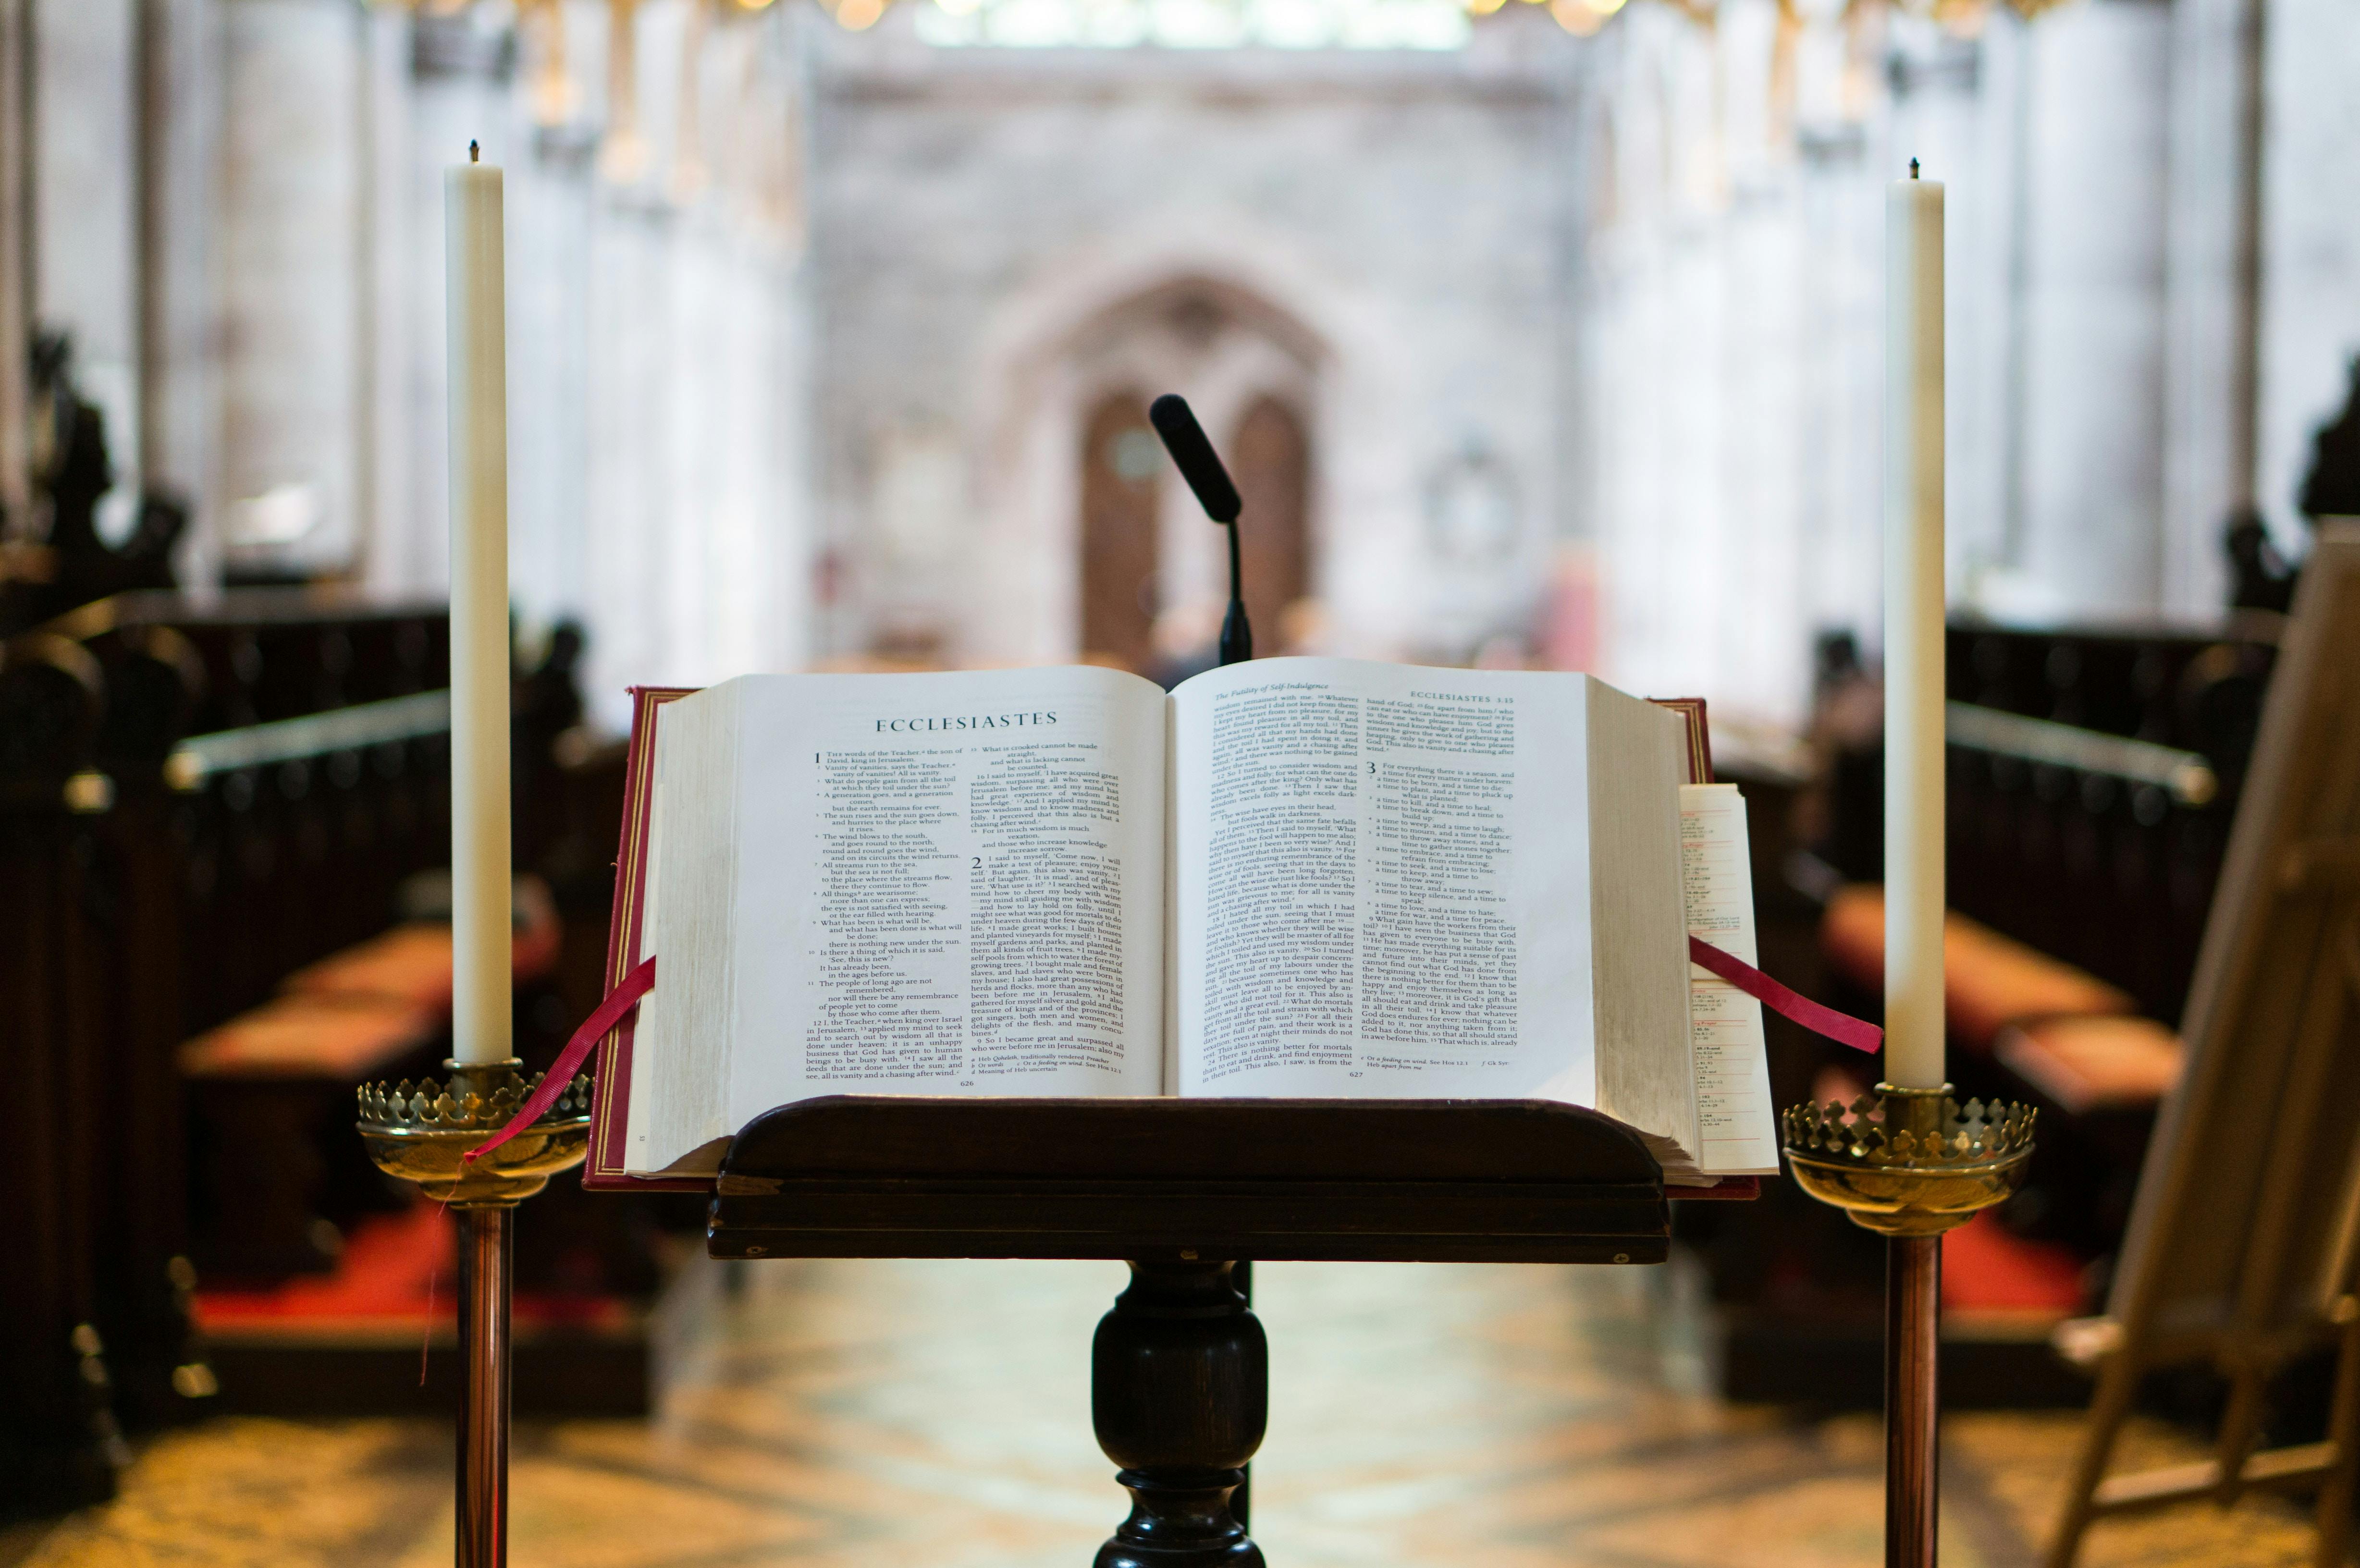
(1183, 1190)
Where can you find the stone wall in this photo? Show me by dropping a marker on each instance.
(1587, 332)
(2310, 242)
(1001, 236)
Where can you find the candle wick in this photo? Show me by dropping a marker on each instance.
(1913, 168)
(476, 154)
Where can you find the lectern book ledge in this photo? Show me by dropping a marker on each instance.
(1409, 1180)
(1293, 878)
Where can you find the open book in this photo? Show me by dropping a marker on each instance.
(1305, 877)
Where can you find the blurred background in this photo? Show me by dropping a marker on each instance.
(1540, 333)
(1544, 333)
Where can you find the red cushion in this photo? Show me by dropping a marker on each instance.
(413, 962)
(1988, 980)
(341, 1038)
(1987, 1268)
(2094, 1063)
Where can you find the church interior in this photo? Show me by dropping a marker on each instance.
(1539, 335)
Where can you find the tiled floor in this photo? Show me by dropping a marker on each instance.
(936, 1415)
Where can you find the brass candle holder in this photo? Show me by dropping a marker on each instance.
(421, 1132)
(1910, 1164)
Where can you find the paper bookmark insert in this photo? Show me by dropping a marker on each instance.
(1732, 1061)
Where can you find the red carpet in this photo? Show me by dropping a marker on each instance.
(1984, 1267)
(395, 1270)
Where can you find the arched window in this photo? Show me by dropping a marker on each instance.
(1271, 457)
(1121, 462)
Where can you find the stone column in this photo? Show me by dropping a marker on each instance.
(549, 220)
(2092, 296)
(459, 68)
(85, 216)
(181, 104)
(2311, 243)
(394, 332)
(2209, 393)
(292, 196)
(15, 287)
(1947, 102)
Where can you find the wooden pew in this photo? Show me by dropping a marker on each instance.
(2094, 832)
(2092, 775)
(211, 809)
(148, 900)
(59, 1445)
(279, 1176)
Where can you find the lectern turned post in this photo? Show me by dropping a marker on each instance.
(1179, 1396)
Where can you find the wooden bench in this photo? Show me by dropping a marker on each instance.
(1989, 981)
(2093, 1066)
(278, 1174)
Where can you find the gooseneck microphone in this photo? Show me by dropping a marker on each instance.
(1201, 467)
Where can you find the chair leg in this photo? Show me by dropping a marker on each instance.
(2116, 1386)
(2336, 1497)
(2241, 1426)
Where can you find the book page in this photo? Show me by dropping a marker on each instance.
(1739, 1132)
(950, 885)
(1381, 882)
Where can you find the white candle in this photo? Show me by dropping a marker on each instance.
(1914, 895)
(476, 271)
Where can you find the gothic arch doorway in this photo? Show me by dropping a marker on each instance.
(1073, 363)
(1121, 464)
(1271, 455)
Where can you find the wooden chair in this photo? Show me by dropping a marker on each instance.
(2242, 1240)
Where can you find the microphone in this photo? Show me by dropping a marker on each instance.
(1201, 467)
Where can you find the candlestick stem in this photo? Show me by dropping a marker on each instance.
(486, 1250)
(1913, 1292)
(1910, 1163)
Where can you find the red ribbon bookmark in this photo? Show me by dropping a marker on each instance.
(1841, 1027)
(607, 1014)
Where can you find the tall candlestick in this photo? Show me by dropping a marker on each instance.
(480, 1002)
(1914, 895)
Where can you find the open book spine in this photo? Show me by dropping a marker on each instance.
(604, 1171)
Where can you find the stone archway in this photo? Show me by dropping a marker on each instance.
(1270, 455)
(1253, 375)
(1220, 314)
(1121, 467)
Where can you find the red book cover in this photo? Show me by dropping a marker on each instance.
(626, 934)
